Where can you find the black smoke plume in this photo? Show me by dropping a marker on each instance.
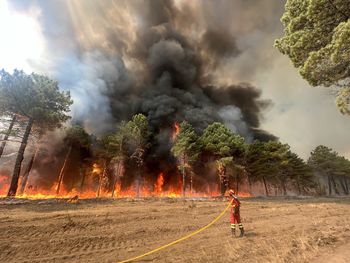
(159, 58)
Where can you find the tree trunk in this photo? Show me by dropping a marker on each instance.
(116, 177)
(237, 183)
(250, 184)
(266, 190)
(20, 155)
(83, 173)
(101, 179)
(283, 184)
(342, 183)
(222, 185)
(7, 134)
(346, 185)
(183, 171)
(329, 185)
(191, 183)
(27, 172)
(60, 177)
(138, 182)
(298, 185)
(334, 186)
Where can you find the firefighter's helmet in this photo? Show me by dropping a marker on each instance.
(231, 192)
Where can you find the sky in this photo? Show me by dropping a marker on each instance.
(300, 115)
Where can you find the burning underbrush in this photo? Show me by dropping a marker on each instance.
(95, 186)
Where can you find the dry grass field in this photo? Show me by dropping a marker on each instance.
(277, 230)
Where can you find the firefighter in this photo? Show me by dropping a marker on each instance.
(235, 217)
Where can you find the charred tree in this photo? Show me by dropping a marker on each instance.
(138, 156)
(250, 184)
(7, 135)
(116, 177)
(36, 97)
(101, 179)
(61, 175)
(191, 183)
(20, 155)
(83, 175)
(223, 179)
(27, 172)
(183, 171)
(138, 182)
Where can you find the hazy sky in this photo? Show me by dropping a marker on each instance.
(301, 116)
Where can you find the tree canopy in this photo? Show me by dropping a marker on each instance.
(317, 40)
(76, 135)
(114, 144)
(186, 142)
(37, 98)
(328, 163)
(220, 141)
(138, 131)
(34, 96)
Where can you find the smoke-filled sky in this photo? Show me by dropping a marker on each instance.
(201, 61)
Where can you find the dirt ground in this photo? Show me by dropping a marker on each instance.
(277, 230)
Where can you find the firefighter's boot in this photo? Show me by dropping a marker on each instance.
(233, 230)
(242, 230)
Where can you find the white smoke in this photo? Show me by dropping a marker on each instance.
(87, 79)
(233, 119)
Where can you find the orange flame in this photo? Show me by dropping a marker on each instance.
(96, 169)
(176, 130)
(158, 186)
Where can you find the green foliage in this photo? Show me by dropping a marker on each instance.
(114, 144)
(322, 158)
(274, 162)
(327, 162)
(138, 131)
(260, 160)
(298, 172)
(343, 100)
(317, 40)
(34, 96)
(225, 161)
(77, 136)
(186, 143)
(218, 140)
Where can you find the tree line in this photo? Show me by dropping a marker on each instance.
(36, 102)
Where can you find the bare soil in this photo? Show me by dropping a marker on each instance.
(277, 230)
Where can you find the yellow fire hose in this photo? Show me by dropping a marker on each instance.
(180, 239)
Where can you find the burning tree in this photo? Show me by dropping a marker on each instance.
(76, 137)
(114, 151)
(221, 143)
(39, 100)
(186, 147)
(7, 132)
(138, 135)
